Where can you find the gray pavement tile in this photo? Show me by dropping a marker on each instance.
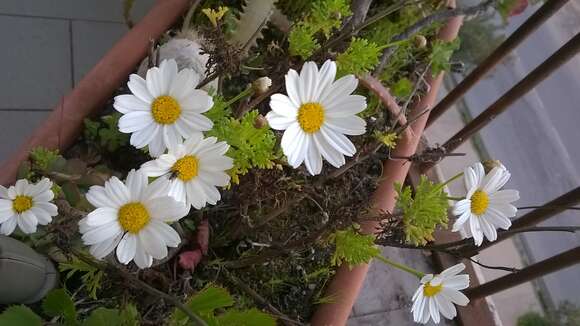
(36, 62)
(91, 40)
(15, 127)
(103, 10)
(387, 288)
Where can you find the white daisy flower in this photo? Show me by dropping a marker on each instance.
(26, 205)
(316, 115)
(438, 293)
(485, 205)
(132, 217)
(164, 108)
(195, 169)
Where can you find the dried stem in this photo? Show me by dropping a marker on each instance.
(258, 298)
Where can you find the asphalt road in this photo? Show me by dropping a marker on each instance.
(538, 138)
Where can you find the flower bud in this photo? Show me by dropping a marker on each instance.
(260, 122)
(488, 165)
(262, 85)
(420, 41)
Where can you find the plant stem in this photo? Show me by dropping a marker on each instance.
(455, 198)
(402, 267)
(247, 92)
(187, 20)
(455, 177)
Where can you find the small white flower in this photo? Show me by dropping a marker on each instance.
(485, 205)
(164, 109)
(195, 168)
(26, 205)
(438, 293)
(316, 115)
(132, 217)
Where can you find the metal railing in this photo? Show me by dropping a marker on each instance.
(548, 210)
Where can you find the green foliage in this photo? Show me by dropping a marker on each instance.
(250, 317)
(211, 298)
(352, 247)
(103, 317)
(250, 147)
(43, 159)
(105, 133)
(92, 277)
(533, 319)
(302, 41)
(58, 303)
(479, 37)
(324, 17)
(402, 88)
(423, 212)
(19, 316)
(130, 315)
(441, 53)
(387, 138)
(360, 57)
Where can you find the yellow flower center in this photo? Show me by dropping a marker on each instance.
(165, 110)
(479, 202)
(22, 203)
(311, 117)
(133, 217)
(431, 290)
(186, 167)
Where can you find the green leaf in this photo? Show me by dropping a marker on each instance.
(92, 277)
(353, 248)
(59, 304)
(19, 316)
(44, 159)
(302, 42)
(360, 57)
(250, 147)
(402, 88)
(251, 317)
(204, 303)
(130, 315)
(424, 211)
(441, 53)
(103, 317)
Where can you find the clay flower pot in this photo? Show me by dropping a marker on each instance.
(64, 124)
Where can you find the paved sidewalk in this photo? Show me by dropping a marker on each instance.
(49, 46)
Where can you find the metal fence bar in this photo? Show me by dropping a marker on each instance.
(565, 53)
(532, 218)
(539, 269)
(515, 39)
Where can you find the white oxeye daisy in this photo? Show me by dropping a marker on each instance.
(164, 108)
(438, 293)
(485, 205)
(316, 115)
(132, 217)
(195, 168)
(26, 205)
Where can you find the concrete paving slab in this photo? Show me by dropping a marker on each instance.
(15, 126)
(102, 10)
(91, 40)
(385, 298)
(36, 62)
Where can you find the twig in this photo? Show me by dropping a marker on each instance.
(209, 78)
(435, 17)
(256, 32)
(280, 210)
(501, 268)
(258, 298)
(244, 108)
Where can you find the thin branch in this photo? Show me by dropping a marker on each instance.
(429, 20)
(574, 208)
(258, 298)
(500, 268)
